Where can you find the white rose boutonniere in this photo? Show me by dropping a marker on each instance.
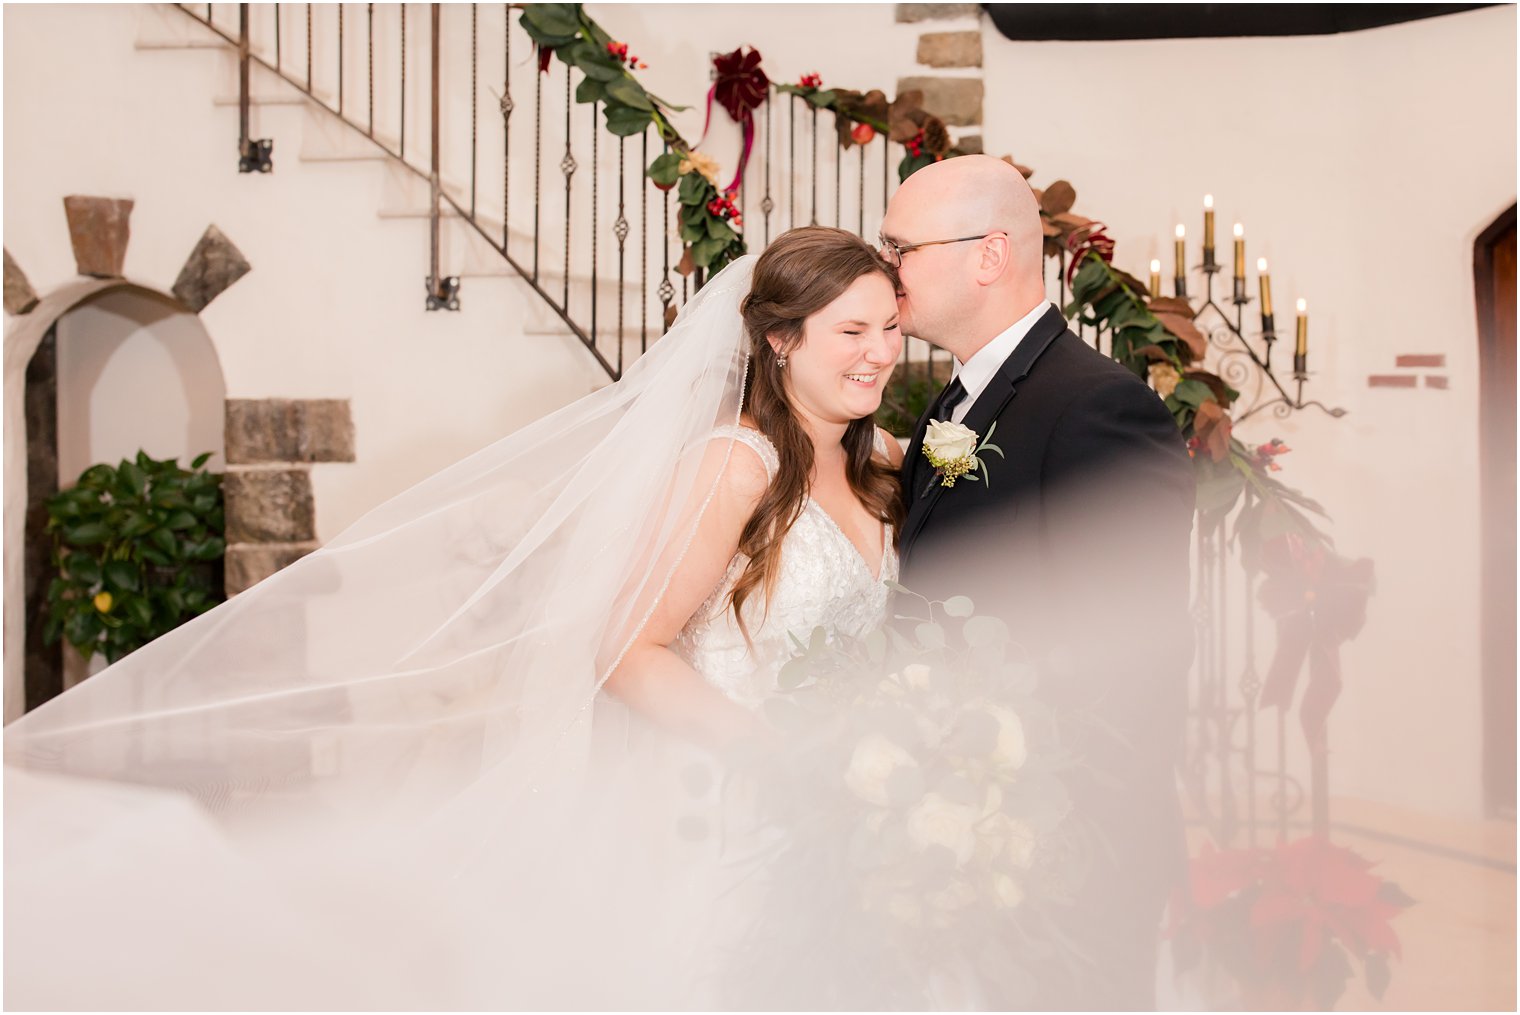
(954, 452)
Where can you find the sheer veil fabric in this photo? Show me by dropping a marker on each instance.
(371, 780)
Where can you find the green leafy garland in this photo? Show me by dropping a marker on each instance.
(859, 117)
(708, 218)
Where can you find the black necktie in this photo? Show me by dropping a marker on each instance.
(953, 395)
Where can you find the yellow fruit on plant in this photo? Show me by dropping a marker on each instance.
(103, 602)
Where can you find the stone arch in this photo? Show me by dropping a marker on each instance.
(103, 325)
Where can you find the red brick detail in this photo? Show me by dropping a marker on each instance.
(1435, 381)
(1421, 360)
(1392, 381)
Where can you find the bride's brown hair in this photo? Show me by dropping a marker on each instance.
(804, 271)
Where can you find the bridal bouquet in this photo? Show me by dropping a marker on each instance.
(918, 815)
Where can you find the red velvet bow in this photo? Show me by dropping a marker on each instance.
(739, 86)
(1319, 600)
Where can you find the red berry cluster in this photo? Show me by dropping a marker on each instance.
(1266, 454)
(811, 81)
(915, 144)
(620, 50)
(724, 208)
(1194, 445)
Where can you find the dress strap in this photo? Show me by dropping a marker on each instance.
(756, 442)
(881, 441)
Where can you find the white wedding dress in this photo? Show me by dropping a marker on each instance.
(381, 779)
(823, 582)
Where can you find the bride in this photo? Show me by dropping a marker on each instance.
(447, 760)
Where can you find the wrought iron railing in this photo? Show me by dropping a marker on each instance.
(596, 245)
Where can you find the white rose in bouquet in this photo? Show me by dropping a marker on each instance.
(1012, 750)
(936, 821)
(875, 759)
(1006, 892)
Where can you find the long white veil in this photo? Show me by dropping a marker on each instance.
(355, 768)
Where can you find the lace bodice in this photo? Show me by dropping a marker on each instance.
(823, 581)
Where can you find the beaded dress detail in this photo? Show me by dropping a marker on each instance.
(823, 581)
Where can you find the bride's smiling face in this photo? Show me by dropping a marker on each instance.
(839, 369)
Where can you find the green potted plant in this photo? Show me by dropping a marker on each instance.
(137, 551)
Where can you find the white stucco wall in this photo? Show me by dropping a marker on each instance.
(1363, 166)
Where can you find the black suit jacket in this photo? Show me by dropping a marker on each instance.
(1079, 540)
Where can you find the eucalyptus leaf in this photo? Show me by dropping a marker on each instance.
(958, 606)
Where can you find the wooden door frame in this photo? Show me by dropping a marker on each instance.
(1496, 437)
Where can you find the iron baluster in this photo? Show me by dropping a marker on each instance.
(277, 37)
(838, 176)
(767, 204)
(620, 230)
(506, 124)
(595, 163)
(403, 82)
(443, 293)
(308, 49)
(340, 60)
(474, 100)
(538, 159)
(666, 291)
(253, 156)
(644, 247)
(567, 166)
(370, 60)
(815, 166)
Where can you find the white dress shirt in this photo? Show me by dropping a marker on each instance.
(977, 372)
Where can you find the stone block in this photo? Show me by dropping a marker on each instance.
(248, 564)
(935, 12)
(950, 49)
(211, 269)
(20, 297)
(956, 101)
(98, 228)
(269, 505)
(289, 430)
(970, 144)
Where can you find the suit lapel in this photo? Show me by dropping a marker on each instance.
(988, 406)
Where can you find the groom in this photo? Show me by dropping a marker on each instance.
(1078, 539)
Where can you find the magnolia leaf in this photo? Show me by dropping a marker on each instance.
(1058, 198)
(1223, 393)
(589, 90)
(694, 189)
(626, 122)
(704, 251)
(1211, 425)
(665, 170)
(628, 92)
(1171, 305)
(684, 266)
(1184, 328)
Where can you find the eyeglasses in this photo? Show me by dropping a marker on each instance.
(893, 251)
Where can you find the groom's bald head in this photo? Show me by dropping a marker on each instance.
(956, 291)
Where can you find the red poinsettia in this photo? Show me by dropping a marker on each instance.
(1273, 916)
